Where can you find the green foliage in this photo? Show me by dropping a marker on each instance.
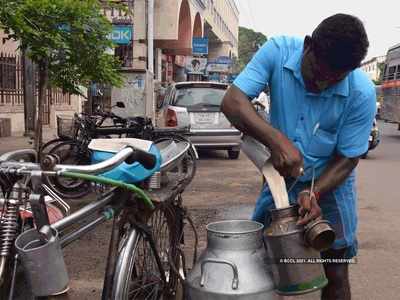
(69, 36)
(381, 68)
(249, 43)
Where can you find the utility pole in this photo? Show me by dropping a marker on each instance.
(150, 102)
(150, 36)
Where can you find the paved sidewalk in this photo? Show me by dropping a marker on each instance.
(13, 143)
(22, 142)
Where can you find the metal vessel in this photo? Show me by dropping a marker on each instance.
(233, 266)
(296, 266)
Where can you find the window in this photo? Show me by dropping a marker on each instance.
(384, 72)
(125, 54)
(398, 72)
(199, 97)
(392, 71)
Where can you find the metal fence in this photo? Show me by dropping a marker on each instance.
(57, 97)
(11, 80)
(12, 86)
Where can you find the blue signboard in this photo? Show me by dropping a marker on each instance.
(224, 60)
(200, 46)
(121, 34)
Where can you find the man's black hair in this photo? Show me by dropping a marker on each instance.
(341, 42)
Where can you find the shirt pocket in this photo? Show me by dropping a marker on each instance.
(322, 143)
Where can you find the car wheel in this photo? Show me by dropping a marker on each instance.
(233, 154)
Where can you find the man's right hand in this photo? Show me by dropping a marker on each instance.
(285, 157)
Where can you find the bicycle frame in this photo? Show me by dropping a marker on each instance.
(108, 206)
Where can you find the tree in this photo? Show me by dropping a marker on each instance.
(381, 70)
(67, 39)
(249, 42)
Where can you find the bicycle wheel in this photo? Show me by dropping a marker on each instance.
(70, 152)
(143, 269)
(47, 147)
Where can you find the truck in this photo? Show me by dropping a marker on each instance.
(390, 88)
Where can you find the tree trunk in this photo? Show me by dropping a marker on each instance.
(30, 102)
(43, 82)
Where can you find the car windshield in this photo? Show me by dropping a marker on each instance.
(199, 97)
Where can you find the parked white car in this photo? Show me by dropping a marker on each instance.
(198, 106)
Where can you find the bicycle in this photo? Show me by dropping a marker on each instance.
(76, 151)
(144, 261)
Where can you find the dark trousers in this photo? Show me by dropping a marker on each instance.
(338, 287)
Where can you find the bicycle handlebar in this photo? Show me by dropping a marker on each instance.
(100, 167)
(129, 154)
(147, 159)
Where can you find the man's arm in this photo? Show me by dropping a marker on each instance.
(352, 143)
(285, 157)
(335, 173)
(338, 169)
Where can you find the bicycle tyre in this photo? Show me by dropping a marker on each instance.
(137, 275)
(70, 152)
(52, 143)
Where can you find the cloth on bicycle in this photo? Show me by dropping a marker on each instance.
(103, 149)
(116, 145)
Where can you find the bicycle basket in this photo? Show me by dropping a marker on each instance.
(66, 127)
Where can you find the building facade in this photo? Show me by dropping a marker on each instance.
(177, 22)
(18, 93)
(156, 42)
(372, 67)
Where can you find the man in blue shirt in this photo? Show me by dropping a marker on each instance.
(322, 109)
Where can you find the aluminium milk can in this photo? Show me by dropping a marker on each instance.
(296, 266)
(233, 266)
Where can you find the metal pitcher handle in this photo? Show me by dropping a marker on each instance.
(235, 281)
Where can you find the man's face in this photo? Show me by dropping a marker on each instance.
(317, 74)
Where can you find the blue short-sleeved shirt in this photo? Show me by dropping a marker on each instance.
(338, 120)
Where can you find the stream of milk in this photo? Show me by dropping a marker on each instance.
(276, 185)
(260, 157)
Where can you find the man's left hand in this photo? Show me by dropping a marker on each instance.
(309, 208)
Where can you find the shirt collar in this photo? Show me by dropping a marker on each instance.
(294, 64)
(342, 87)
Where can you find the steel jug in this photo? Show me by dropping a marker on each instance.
(233, 266)
(296, 266)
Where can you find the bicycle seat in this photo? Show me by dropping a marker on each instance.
(103, 149)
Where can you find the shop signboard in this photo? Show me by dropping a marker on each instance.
(121, 34)
(222, 64)
(225, 60)
(196, 65)
(218, 68)
(180, 60)
(200, 46)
